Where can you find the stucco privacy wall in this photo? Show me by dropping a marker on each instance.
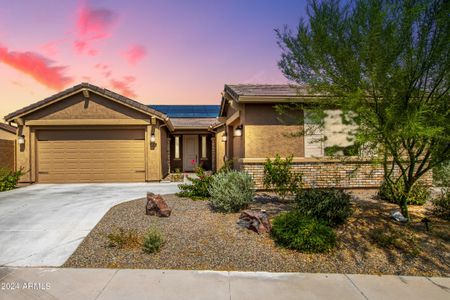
(7, 154)
(329, 173)
(95, 112)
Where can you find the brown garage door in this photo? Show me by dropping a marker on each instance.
(91, 156)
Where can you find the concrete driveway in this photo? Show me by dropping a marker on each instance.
(43, 224)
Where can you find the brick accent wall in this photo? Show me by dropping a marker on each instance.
(7, 154)
(328, 174)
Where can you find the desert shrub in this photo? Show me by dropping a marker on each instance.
(293, 230)
(331, 206)
(9, 179)
(441, 175)
(278, 176)
(153, 241)
(198, 188)
(441, 205)
(227, 166)
(390, 238)
(231, 191)
(124, 238)
(417, 196)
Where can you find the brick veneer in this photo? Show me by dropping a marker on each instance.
(332, 173)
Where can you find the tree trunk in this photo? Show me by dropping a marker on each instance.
(404, 206)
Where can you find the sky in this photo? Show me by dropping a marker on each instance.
(155, 52)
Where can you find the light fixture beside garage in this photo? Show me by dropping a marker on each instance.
(21, 139)
(238, 131)
(224, 137)
(152, 138)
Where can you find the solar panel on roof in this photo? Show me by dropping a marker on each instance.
(188, 111)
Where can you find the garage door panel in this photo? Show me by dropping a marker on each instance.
(89, 156)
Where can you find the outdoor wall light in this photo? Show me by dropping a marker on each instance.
(21, 139)
(224, 138)
(152, 138)
(238, 131)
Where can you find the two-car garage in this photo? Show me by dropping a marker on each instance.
(90, 155)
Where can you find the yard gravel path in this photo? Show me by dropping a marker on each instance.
(197, 238)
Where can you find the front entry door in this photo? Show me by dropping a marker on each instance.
(190, 152)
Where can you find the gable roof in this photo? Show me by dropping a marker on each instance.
(193, 123)
(266, 90)
(8, 128)
(90, 87)
(265, 93)
(189, 111)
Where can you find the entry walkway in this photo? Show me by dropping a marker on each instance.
(86, 284)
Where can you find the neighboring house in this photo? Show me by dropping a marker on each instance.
(90, 134)
(7, 132)
(7, 146)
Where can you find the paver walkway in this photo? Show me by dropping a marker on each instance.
(86, 284)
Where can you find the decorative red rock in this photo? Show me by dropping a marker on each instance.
(257, 221)
(157, 206)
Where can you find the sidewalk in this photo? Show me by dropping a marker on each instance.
(86, 284)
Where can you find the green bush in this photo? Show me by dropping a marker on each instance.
(153, 241)
(441, 175)
(198, 188)
(292, 230)
(9, 179)
(231, 191)
(417, 196)
(124, 238)
(227, 166)
(331, 206)
(278, 176)
(441, 205)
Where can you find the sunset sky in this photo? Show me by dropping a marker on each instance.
(156, 52)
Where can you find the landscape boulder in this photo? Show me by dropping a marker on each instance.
(256, 220)
(157, 206)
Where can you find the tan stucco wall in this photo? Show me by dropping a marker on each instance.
(7, 154)
(80, 110)
(267, 133)
(78, 107)
(220, 149)
(154, 167)
(6, 135)
(333, 133)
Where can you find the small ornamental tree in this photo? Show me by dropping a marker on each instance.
(386, 64)
(278, 175)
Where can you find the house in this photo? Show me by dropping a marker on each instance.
(7, 146)
(7, 132)
(91, 134)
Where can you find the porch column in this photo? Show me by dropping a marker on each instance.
(168, 155)
(213, 153)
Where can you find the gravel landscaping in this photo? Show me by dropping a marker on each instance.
(197, 238)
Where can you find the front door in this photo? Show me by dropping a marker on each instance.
(190, 152)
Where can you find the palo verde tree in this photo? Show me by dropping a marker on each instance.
(386, 62)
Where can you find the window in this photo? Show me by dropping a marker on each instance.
(177, 147)
(204, 146)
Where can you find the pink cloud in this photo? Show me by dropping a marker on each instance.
(93, 24)
(51, 48)
(134, 54)
(36, 66)
(123, 86)
(104, 69)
